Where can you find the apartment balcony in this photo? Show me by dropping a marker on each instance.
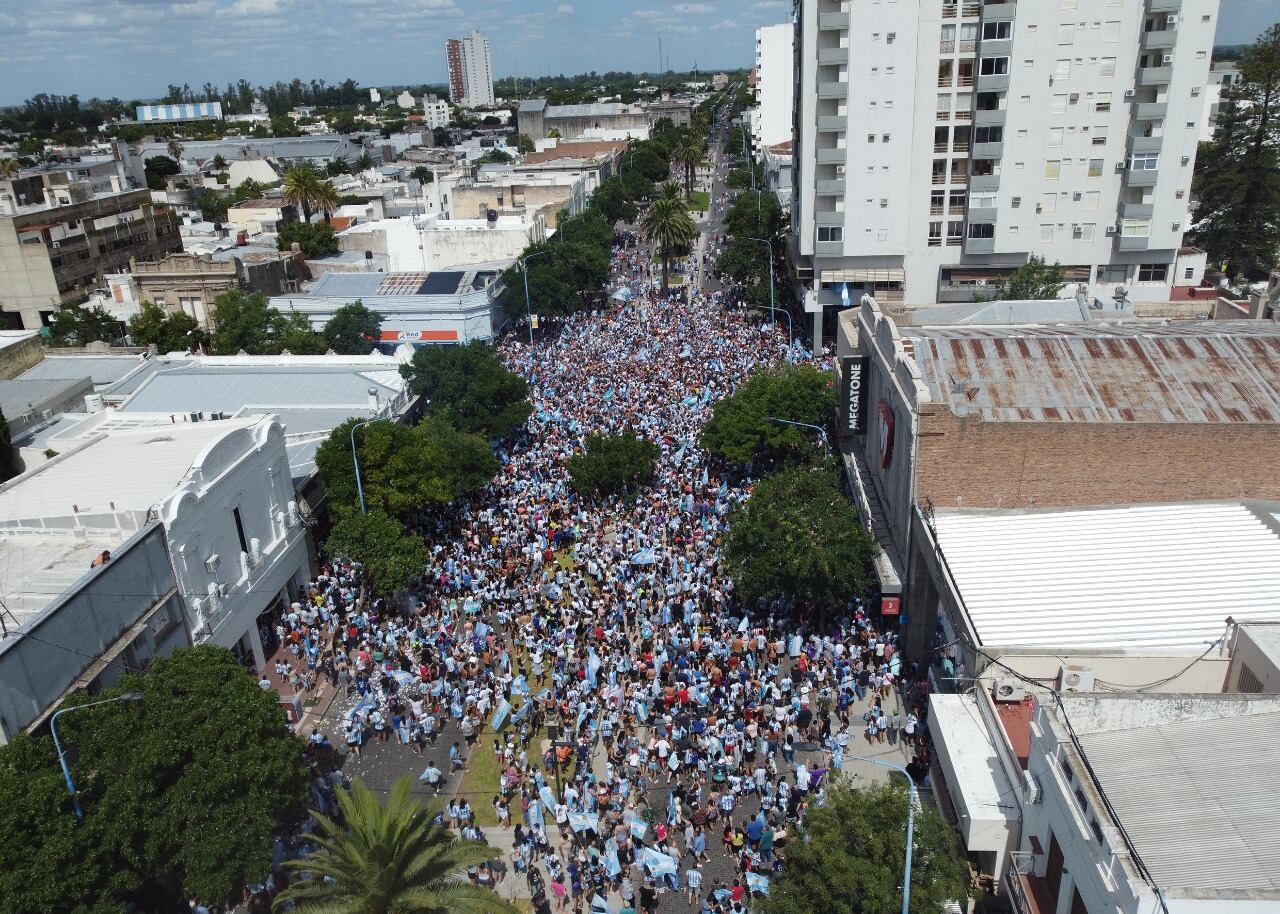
(964, 115)
(964, 80)
(950, 10)
(833, 56)
(987, 150)
(944, 115)
(1150, 111)
(988, 117)
(1136, 210)
(1164, 6)
(979, 245)
(982, 214)
(1155, 76)
(1028, 893)
(993, 83)
(831, 22)
(1145, 177)
(983, 182)
(828, 217)
(833, 89)
(831, 187)
(946, 47)
(832, 123)
(999, 11)
(1132, 242)
(1159, 40)
(1145, 143)
(828, 248)
(970, 10)
(936, 209)
(832, 156)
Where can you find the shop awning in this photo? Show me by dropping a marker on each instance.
(888, 274)
(984, 799)
(411, 335)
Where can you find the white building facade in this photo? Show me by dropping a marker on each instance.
(772, 118)
(939, 145)
(435, 113)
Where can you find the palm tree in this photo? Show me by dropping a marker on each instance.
(688, 154)
(392, 859)
(300, 187)
(9, 168)
(326, 198)
(175, 149)
(668, 224)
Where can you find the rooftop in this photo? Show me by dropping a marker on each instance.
(598, 109)
(583, 150)
(1188, 772)
(1147, 578)
(101, 369)
(382, 285)
(1223, 371)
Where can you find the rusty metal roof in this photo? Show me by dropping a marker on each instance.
(1224, 371)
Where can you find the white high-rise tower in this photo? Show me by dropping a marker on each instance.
(470, 71)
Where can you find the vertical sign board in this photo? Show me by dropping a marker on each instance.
(853, 395)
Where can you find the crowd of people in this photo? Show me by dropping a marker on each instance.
(656, 736)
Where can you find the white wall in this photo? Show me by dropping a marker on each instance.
(247, 469)
(776, 81)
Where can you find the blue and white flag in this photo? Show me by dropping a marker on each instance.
(593, 667)
(638, 828)
(612, 867)
(520, 686)
(758, 883)
(500, 714)
(645, 556)
(584, 821)
(658, 863)
(844, 293)
(548, 798)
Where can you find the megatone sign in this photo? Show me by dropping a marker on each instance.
(853, 395)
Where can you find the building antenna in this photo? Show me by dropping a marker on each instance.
(659, 55)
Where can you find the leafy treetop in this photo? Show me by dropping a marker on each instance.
(470, 387)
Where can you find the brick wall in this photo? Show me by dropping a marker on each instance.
(1047, 464)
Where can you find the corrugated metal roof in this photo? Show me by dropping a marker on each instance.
(218, 389)
(102, 369)
(1198, 799)
(1202, 372)
(1148, 577)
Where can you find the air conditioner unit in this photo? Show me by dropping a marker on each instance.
(1167, 59)
(1077, 231)
(1177, 227)
(1180, 194)
(1038, 207)
(212, 562)
(1016, 201)
(1171, 19)
(1075, 679)
(1009, 690)
(255, 552)
(57, 244)
(1111, 229)
(193, 417)
(224, 589)
(839, 169)
(1129, 93)
(1076, 196)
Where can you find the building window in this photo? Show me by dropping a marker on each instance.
(981, 201)
(1099, 137)
(1153, 272)
(1111, 32)
(1103, 102)
(994, 66)
(1113, 273)
(955, 231)
(1067, 33)
(1108, 67)
(982, 230)
(830, 233)
(1055, 136)
(244, 542)
(1095, 168)
(1052, 169)
(992, 134)
(1086, 231)
(1063, 70)
(996, 31)
(935, 234)
(1058, 103)
(1144, 161)
(1135, 228)
(1048, 203)
(1189, 272)
(1046, 231)
(1090, 201)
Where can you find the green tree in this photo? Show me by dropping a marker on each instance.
(521, 143)
(738, 430)
(183, 793)
(76, 325)
(301, 184)
(291, 332)
(798, 536)
(470, 387)
(1237, 178)
(390, 859)
(316, 239)
(157, 168)
(353, 329)
(391, 555)
(613, 201)
(1034, 280)
(242, 322)
(689, 155)
(613, 465)
(404, 468)
(169, 332)
(851, 850)
(494, 156)
(423, 175)
(667, 224)
(557, 279)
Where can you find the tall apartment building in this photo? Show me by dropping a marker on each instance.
(772, 118)
(470, 71)
(940, 144)
(57, 249)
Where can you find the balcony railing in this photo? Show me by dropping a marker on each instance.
(965, 79)
(939, 177)
(950, 11)
(964, 115)
(946, 47)
(944, 82)
(960, 146)
(944, 115)
(967, 47)
(940, 147)
(971, 9)
(935, 242)
(935, 209)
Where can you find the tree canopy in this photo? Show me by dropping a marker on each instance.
(851, 852)
(390, 858)
(77, 325)
(1034, 280)
(738, 430)
(245, 321)
(1237, 178)
(174, 331)
(183, 792)
(353, 330)
(613, 464)
(404, 468)
(667, 224)
(558, 278)
(798, 536)
(316, 239)
(469, 386)
(391, 555)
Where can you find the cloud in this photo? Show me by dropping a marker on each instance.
(689, 9)
(254, 7)
(725, 24)
(565, 9)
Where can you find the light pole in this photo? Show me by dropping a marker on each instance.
(524, 271)
(772, 307)
(912, 799)
(826, 445)
(355, 458)
(62, 755)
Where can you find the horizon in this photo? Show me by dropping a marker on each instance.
(259, 41)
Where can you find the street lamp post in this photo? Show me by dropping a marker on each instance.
(772, 307)
(62, 755)
(826, 445)
(912, 799)
(524, 271)
(355, 458)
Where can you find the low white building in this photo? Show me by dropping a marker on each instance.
(435, 113)
(202, 537)
(426, 244)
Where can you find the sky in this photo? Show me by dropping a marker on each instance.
(135, 48)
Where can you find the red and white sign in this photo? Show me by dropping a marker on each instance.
(890, 606)
(419, 336)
